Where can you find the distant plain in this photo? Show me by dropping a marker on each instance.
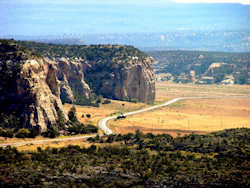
(199, 116)
(191, 116)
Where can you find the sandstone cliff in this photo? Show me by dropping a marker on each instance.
(72, 82)
(29, 88)
(133, 80)
(113, 71)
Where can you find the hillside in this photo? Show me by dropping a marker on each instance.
(37, 78)
(113, 71)
(219, 159)
(202, 67)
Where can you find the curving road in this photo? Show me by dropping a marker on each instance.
(102, 124)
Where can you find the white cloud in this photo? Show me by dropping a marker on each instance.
(246, 2)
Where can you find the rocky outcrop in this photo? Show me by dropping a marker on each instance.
(29, 89)
(132, 81)
(72, 82)
(39, 86)
(113, 71)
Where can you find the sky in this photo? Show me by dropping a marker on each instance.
(213, 1)
(77, 17)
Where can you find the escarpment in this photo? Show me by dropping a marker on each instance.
(132, 80)
(113, 71)
(29, 89)
(73, 87)
(37, 78)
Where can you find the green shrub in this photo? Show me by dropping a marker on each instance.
(6, 132)
(34, 132)
(23, 133)
(51, 132)
(91, 128)
(60, 119)
(106, 101)
(72, 114)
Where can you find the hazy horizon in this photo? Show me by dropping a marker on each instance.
(57, 18)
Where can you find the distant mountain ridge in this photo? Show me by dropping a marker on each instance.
(208, 40)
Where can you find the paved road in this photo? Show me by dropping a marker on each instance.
(102, 124)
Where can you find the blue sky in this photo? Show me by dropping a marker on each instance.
(79, 17)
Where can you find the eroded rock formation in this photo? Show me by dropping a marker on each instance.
(33, 86)
(132, 81)
(72, 82)
(29, 89)
(38, 85)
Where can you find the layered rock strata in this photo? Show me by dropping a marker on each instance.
(132, 81)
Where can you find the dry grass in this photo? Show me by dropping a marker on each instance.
(166, 90)
(33, 147)
(198, 116)
(12, 140)
(80, 142)
(96, 114)
(115, 107)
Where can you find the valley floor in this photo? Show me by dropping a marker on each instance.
(199, 116)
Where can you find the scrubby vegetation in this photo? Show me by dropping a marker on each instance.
(234, 67)
(98, 53)
(219, 159)
(71, 127)
(10, 127)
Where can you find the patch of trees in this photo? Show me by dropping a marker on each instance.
(102, 53)
(71, 127)
(182, 62)
(10, 126)
(141, 160)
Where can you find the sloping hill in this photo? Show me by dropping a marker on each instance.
(203, 67)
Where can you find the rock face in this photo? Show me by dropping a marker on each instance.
(132, 81)
(33, 87)
(29, 89)
(38, 84)
(113, 71)
(72, 83)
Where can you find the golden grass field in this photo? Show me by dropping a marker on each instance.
(115, 107)
(199, 116)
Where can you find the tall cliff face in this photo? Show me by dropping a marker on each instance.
(72, 82)
(113, 71)
(29, 88)
(132, 81)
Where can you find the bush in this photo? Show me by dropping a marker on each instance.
(76, 128)
(6, 132)
(34, 132)
(60, 119)
(51, 132)
(81, 129)
(106, 101)
(134, 100)
(91, 128)
(72, 114)
(23, 133)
